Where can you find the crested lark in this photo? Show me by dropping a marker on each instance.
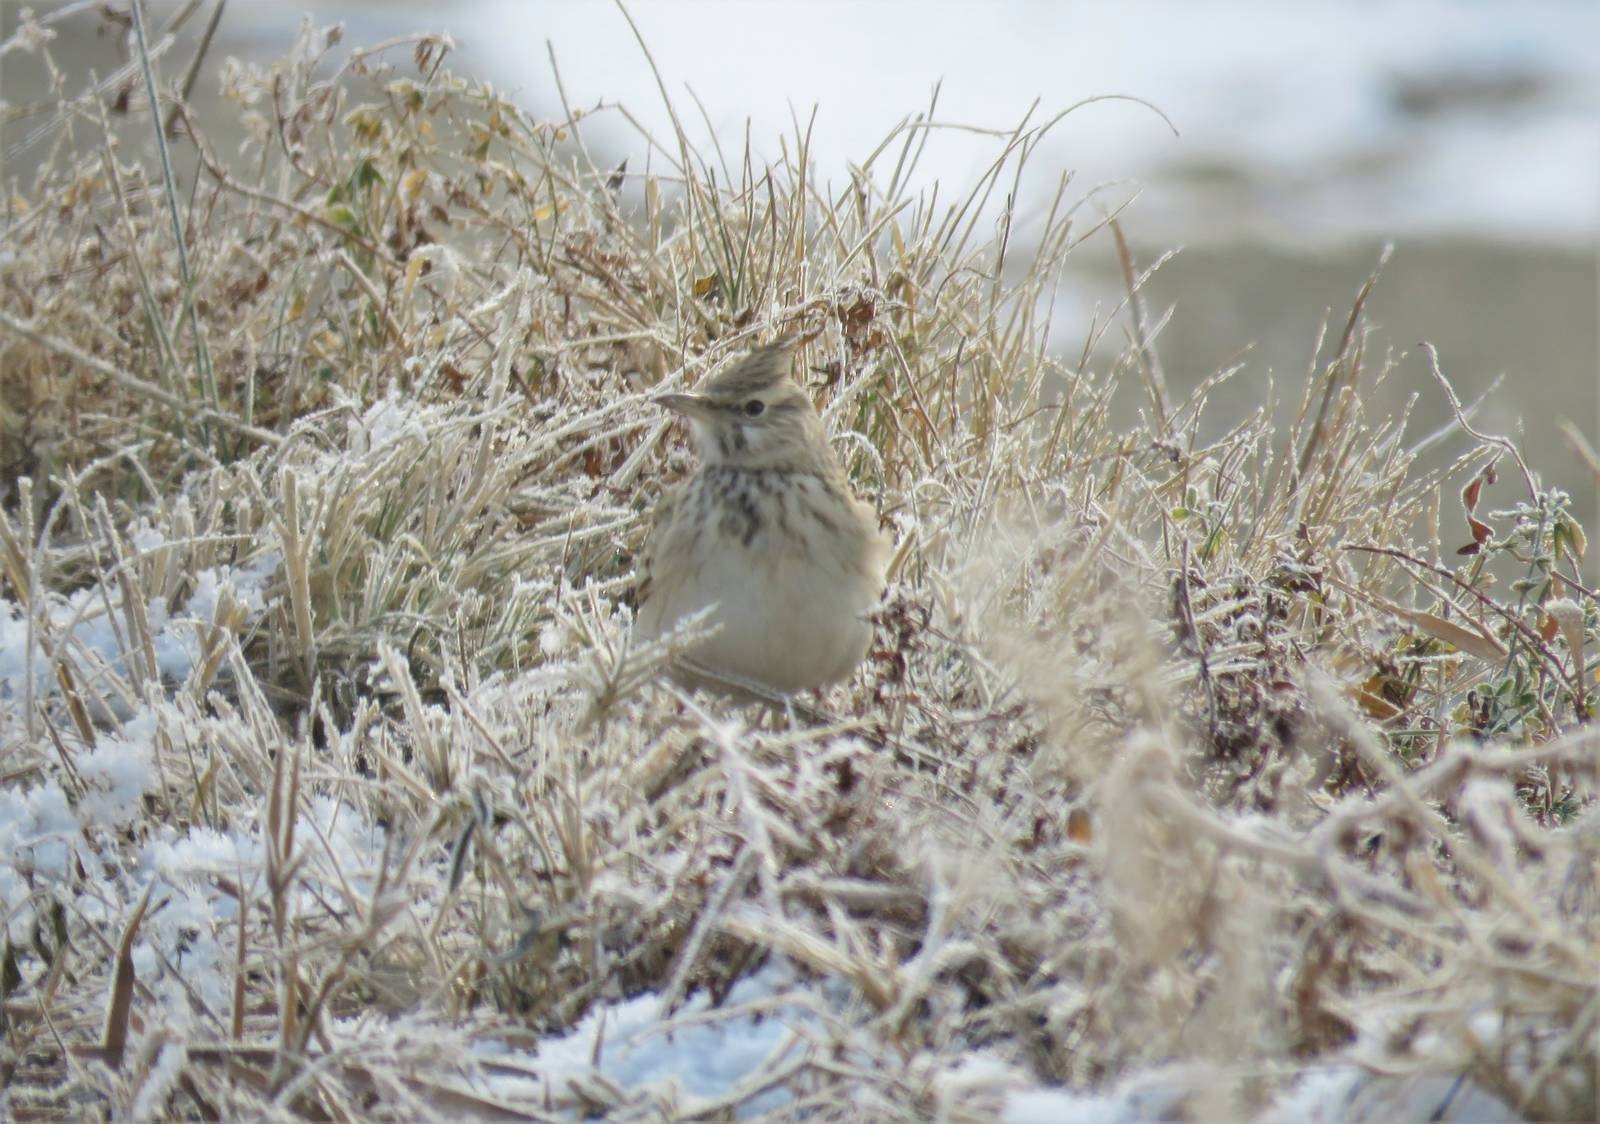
(767, 535)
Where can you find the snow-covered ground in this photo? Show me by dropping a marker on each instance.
(694, 1060)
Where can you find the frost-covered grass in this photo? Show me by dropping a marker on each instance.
(1182, 779)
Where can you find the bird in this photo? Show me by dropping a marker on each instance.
(766, 538)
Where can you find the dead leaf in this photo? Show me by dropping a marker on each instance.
(1080, 829)
(1464, 639)
(1375, 700)
(121, 1008)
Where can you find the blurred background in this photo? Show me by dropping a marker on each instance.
(1276, 147)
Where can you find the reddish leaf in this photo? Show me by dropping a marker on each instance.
(1548, 628)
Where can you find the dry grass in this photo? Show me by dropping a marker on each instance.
(332, 782)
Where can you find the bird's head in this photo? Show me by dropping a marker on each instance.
(753, 415)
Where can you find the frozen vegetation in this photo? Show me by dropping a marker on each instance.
(1242, 780)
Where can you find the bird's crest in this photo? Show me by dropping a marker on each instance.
(762, 369)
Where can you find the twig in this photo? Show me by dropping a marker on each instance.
(1466, 426)
(193, 72)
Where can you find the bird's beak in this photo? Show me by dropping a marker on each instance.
(689, 405)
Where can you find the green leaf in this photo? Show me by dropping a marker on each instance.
(366, 174)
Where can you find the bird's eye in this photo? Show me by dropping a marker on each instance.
(754, 408)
